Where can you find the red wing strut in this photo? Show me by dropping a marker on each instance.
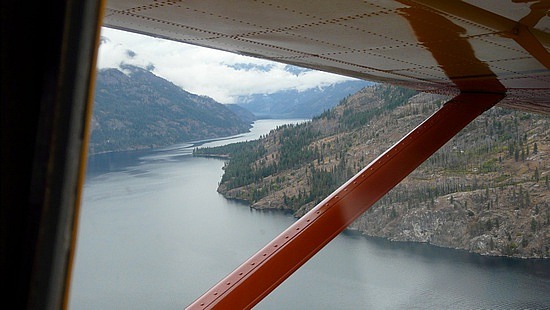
(264, 271)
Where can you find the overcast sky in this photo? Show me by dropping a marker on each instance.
(220, 75)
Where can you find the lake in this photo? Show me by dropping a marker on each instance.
(155, 234)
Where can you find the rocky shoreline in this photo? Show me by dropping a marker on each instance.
(487, 191)
(445, 227)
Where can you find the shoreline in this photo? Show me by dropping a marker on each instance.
(218, 156)
(357, 232)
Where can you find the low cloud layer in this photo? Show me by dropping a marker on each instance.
(220, 75)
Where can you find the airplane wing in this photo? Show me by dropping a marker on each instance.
(433, 46)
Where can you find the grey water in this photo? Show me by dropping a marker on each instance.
(155, 234)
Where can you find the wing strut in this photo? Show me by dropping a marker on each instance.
(265, 270)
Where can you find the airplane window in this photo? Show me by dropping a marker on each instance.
(198, 158)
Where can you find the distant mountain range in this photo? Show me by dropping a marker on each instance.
(136, 109)
(300, 104)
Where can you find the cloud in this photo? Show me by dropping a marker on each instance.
(221, 75)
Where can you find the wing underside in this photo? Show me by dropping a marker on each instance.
(444, 47)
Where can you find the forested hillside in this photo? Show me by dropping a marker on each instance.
(486, 191)
(136, 109)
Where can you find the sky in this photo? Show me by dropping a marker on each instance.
(220, 75)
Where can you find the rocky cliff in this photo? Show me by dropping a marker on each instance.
(486, 191)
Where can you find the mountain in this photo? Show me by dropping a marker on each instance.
(299, 104)
(136, 109)
(486, 191)
(243, 113)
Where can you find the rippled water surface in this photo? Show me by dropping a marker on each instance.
(155, 234)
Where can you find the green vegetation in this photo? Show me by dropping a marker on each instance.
(250, 163)
(242, 170)
(239, 172)
(487, 190)
(296, 146)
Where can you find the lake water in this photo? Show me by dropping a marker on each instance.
(155, 234)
